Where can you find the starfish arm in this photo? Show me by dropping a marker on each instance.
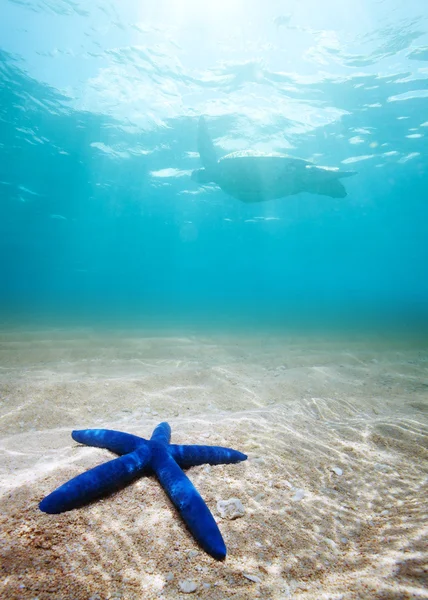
(115, 441)
(190, 456)
(189, 503)
(100, 481)
(162, 433)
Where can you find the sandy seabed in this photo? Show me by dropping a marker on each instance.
(341, 422)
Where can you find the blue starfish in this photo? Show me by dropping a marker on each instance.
(139, 456)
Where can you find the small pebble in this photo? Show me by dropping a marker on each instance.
(344, 540)
(253, 578)
(299, 495)
(331, 543)
(338, 471)
(170, 576)
(188, 587)
(230, 509)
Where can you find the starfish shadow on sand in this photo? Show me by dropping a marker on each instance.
(138, 457)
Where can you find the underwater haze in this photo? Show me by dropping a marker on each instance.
(139, 293)
(100, 220)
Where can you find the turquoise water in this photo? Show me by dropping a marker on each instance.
(99, 218)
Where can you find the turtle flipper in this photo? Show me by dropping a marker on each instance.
(342, 174)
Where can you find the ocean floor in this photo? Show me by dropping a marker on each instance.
(335, 488)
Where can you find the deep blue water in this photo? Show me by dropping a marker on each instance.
(99, 105)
